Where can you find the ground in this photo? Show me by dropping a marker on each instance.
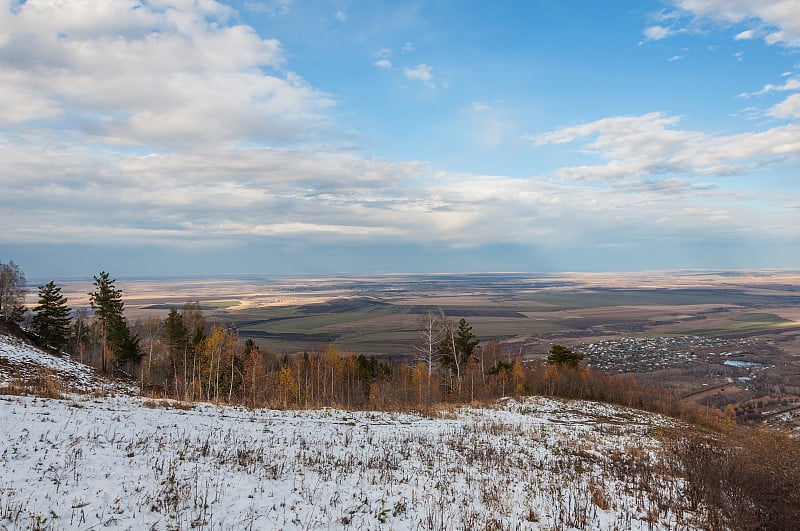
(105, 457)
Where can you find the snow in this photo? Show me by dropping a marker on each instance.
(128, 462)
(21, 362)
(540, 463)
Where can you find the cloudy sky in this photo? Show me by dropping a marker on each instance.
(193, 137)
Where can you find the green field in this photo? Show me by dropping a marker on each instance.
(595, 298)
(378, 315)
(744, 324)
(372, 326)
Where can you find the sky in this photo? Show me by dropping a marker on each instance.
(199, 137)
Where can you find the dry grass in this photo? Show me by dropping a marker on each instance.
(478, 469)
(749, 480)
(43, 382)
(168, 404)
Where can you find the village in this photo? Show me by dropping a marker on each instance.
(647, 354)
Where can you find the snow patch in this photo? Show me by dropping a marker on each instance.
(21, 362)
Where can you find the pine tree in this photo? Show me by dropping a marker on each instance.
(561, 355)
(106, 300)
(458, 345)
(51, 321)
(124, 345)
(466, 341)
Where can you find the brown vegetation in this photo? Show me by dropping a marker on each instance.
(748, 480)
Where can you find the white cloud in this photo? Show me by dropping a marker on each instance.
(745, 35)
(655, 33)
(782, 16)
(255, 7)
(408, 47)
(421, 72)
(675, 58)
(340, 15)
(788, 108)
(640, 147)
(383, 63)
(172, 125)
(138, 74)
(791, 84)
(224, 194)
(383, 52)
(488, 126)
(275, 8)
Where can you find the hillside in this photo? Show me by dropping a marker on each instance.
(128, 461)
(29, 367)
(95, 454)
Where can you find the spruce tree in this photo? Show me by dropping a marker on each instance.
(457, 346)
(124, 345)
(51, 321)
(466, 341)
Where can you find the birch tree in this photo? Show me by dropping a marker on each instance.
(430, 331)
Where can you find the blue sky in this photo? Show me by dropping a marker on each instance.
(194, 137)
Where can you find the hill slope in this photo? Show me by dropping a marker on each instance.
(535, 464)
(24, 365)
(126, 461)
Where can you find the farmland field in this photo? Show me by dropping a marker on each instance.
(377, 315)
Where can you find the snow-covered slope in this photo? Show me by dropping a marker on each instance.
(537, 464)
(22, 364)
(129, 462)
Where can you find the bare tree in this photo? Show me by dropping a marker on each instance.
(80, 333)
(12, 292)
(430, 330)
(150, 331)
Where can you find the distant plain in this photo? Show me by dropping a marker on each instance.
(377, 314)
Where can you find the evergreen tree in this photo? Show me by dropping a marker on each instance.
(176, 337)
(107, 303)
(457, 346)
(561, 355)
(124, 345)
(106, 300)
(175, 334)
(466, 341)
(51, 321)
